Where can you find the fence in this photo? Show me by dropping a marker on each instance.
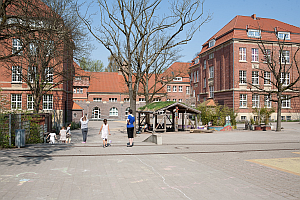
(35, 125)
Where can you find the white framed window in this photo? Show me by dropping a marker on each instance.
(74, 90)
(267, 78)
(180, 88)
(126, 99)
(197, 76)
(30, 102)
(174, 100)
(255, 101)
(16, 101)
(113, 112)
(187, 89)
(49, 75)
(288, 118)
(193, 105)
(48, 102)
(177, 79)
(16, 45)
(268, 103)
(96, 113)
(142, 100)
(211, 91)
(97, 99)
(254, 55)
(285, 56)
(179, 100)
(286, 102)
(16, 75)
(242, 54)
(157, 99)
(174, 88)
(243, 118)
(211, 72)
(242, 77)
(198, 97)
(194, 93)
(204, 64)
(32, 49)
(77, 78)
(168, 88)
(211, 43)
(211, 56)
(31, 73)
(285, 78)
(78, 90)
(204, 83)
(112, 99)
(81, 90)
(243, 101)
(255, 78)
(267, 55)
(168, 99)
(284, 35)
(253, 33)
(196, 61)
(127, 111)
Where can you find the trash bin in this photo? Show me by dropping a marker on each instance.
(20, 138)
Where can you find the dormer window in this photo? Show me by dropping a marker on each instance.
(283, 35)
(211, 43)
(253, 33)
(177, 79)
(196, 61)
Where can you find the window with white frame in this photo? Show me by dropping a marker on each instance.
(142, 100)
(211, 72)
(243, 101)
(254, 55)
(198, 97)
(255, 101)
(253, 33)
(168, 88)
(288, 118)
(211, 91)
(193, 105)
(268, 103)
(285, 56)
(157, 99)
(243, 118)
(285, 78)
(194, 93)
(267, 78)
(267, 56)
(242, 77)
(197, 76)
(97, 99)
(174, 88)
(113, 111)
(78, 90)
(204, 83)
(96, 113)
(32, 49)
(74, 90)
(196, 61)
(286, 101)
(204, 64)
(211, 56)
(187, 89)
(30, 102)
(126, 99)
(16, 101)
(177, 79)
(16, 45)
(48, 102)
(31, 73)
(255, 77)
(49, 74)
(180, 88)
(127, 111)
(174, 100)
(77, 78)
(16, 75)
(112, 99)
(242, 54)
(211, 43)
(168, 99)
(179, 100)
(284, 35)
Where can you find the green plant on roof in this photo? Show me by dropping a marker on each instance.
(156, 105)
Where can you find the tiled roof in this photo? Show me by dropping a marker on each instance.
(76, 106)
(237, 26)
(180, 69)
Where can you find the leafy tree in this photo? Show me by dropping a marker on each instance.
(91, 65)
(112, 65)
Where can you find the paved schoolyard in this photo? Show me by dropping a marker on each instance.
(221, 165)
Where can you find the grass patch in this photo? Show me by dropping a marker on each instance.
(156, 105)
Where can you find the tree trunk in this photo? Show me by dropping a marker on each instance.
(278, 124)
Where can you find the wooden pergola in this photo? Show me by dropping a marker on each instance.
(164, 110)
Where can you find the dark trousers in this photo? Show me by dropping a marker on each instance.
(84, 134)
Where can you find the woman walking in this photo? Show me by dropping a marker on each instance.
(84, 127)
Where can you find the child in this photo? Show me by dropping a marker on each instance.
(52, 137)
(105, 129)
(69, 133)
(63, 134)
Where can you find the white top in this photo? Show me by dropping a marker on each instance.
(52, 136)
(84, 124)
(104, 130)
(68, 130)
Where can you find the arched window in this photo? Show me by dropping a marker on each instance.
(113, 112)
(96, 113)
(126, 111)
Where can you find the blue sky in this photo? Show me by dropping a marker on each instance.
(222, 12)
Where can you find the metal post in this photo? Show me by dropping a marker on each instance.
(153, 123)
(165, 122)
(9, 127)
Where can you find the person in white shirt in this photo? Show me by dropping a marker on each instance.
(105, 131)
(84, 127)
(52, 137)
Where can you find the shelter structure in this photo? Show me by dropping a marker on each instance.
(164, 116)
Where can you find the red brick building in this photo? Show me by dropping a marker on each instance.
(231, 58)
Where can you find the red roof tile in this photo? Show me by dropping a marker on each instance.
(180, 69)
(76, 106)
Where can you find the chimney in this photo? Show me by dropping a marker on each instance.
(253, 16)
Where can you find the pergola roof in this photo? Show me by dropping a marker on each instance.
(156, 107)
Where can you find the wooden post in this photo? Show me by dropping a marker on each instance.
(196, 122)
(165, 122)
(154, 124)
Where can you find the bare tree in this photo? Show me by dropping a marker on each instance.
(112, 65)
(126, 26)
(280, 73)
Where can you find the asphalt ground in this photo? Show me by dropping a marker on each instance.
(235, 164)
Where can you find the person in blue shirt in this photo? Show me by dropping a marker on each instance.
(130, 128)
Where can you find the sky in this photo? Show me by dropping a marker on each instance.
(223, 11)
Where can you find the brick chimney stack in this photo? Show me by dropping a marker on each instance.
(253, 16)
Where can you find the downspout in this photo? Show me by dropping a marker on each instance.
(233, 73)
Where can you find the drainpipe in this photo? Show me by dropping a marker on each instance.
(233, 73)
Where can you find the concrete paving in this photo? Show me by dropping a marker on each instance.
(221, 165)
